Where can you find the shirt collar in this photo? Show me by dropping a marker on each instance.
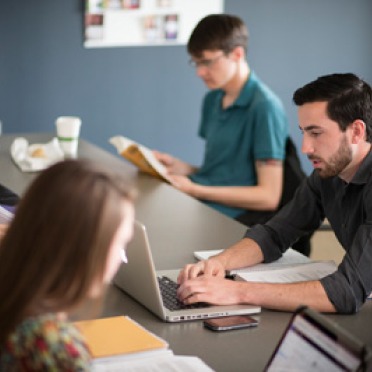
(247, 93)
(363, 173)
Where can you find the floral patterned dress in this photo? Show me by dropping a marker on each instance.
(45, 343)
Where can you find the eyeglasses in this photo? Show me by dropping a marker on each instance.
(123, 256)
(207, 63)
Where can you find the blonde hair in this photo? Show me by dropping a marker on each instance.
(58, 242)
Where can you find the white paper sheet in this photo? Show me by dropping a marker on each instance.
(290, 274)
(165, 361)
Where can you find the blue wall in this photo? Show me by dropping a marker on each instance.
(150, 93)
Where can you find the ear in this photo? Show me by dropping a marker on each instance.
(237, 53)
(358, 128)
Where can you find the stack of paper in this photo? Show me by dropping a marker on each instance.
(121, 344)
(118, 336)
(291, 267)
(313, 270)
(157, 363)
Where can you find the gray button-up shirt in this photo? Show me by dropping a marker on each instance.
(348, 208)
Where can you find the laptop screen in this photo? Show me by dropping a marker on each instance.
(312, 343)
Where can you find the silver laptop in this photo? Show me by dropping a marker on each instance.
(139, 279)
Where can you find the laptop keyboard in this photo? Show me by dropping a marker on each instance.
(168, 289)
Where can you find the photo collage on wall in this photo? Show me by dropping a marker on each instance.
(143, 22)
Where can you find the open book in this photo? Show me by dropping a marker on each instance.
(121, 344)
(140, 156)
(291, 267)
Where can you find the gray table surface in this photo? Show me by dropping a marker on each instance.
(177, 226)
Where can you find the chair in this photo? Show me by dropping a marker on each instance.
(293, 175)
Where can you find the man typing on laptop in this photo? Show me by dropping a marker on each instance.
(156, 289)
(335, 117)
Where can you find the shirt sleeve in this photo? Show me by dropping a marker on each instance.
(44, 343)
(271, 131)
(349, 287)
(68, 352)
(302, 215)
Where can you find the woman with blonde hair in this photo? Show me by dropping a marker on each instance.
(63, 246)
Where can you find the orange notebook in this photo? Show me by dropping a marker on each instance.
(118, 335)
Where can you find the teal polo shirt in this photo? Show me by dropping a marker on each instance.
(254, 127)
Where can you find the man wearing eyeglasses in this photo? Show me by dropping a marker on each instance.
(243, 123)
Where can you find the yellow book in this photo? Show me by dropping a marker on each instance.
(141, 156)
(120, 335)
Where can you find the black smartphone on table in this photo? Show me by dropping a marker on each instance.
(228, 323)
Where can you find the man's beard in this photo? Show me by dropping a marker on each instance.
(337, 162)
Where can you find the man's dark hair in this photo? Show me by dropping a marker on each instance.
(218, 32)
(349, 98)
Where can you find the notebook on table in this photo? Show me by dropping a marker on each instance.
(8, 202)
(312, 343)
(8, 198)
(140, 280)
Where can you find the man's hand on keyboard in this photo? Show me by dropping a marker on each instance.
(210, 267)
(211, 289)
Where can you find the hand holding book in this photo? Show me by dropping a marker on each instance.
(140, 156)
(154, 163)
(173, 165)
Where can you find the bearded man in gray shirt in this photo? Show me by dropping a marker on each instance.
(335, 117)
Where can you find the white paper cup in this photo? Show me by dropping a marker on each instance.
(68, 131)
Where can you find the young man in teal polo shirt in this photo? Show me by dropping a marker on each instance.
(243, 123)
